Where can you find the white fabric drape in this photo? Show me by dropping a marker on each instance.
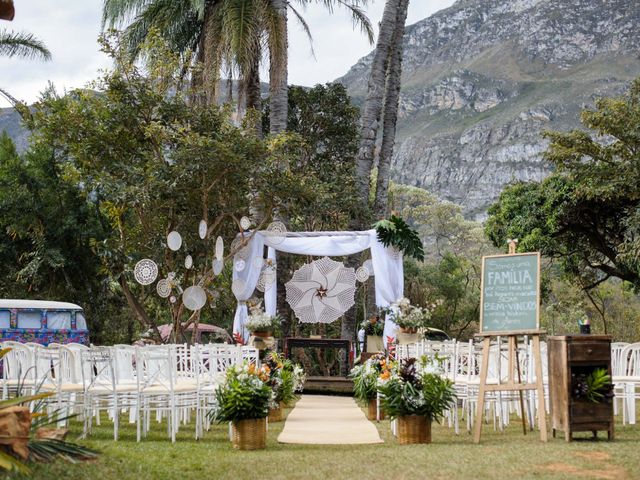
(271, 292)
(389, 280)
(245, 281)
(387, 266)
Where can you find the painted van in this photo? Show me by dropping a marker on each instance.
(43, 322)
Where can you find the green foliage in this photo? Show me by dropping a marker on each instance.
(281, 378)
(365, 377)
(587, 212)
(245, 394)
(51, 228)
(416, 391)
(147, 161)
(450, 274)
(22, 45)
(593, 387)
(373, 326)
(323, 126)
(397, 233)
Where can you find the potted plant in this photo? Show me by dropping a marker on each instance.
(261, 324)
(592, 387)
(373, 329)
(365, 383)
(243, 399)
(408, 317)
(282, 380)
(415, 393)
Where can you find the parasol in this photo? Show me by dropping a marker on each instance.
(321, 291)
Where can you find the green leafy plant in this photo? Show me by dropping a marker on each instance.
(594, 387)
(397, 233)
(415, 387)
(282, 378)
(373, 326)
(365, 377)
(244, 394)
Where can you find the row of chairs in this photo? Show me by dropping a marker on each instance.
(625, 367)
(461, 361)
(171, 381)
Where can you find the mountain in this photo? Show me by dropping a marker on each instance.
(483, 79)
(10, 123)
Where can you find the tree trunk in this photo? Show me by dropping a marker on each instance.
(372, 108)
(390, 118)
(138, 309)
(254, 99)
(210, 74)
(278, 73)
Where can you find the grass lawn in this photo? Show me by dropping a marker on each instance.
(500, 455)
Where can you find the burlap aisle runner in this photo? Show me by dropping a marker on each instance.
(324, 420)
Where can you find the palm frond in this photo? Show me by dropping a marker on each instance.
(20, 400)
(305, 27)
(49, 450)
(359, 19)
(23, 45)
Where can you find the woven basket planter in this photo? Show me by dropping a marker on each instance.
(276, 414)
(249, 434)
(414, 429)
(372, 410)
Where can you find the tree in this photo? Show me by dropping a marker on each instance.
(450, 275)
(381, 93)
(587, 214)
(393, 82)
(224, 34)
(22, 45)
(153, 163)
(50, 229)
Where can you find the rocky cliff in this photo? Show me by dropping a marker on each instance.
(483, 78)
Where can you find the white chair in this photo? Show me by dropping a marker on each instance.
(627, 383)
(19, 370)
(160, 391)
(102, 392)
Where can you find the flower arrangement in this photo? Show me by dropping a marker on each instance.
(416, 387)
(407, 316)
(259, 321)
(366, 376)
(299, 377)
(244, 394)
(373, 326)
(281, 379)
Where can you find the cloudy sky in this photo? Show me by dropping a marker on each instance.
(70, 29)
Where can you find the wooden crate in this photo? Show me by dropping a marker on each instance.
(577, 354)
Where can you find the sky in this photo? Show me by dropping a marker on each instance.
(70, 29)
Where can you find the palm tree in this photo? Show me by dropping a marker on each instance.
(22, 45)
(390, 113)
(380, 94)
(228, 35)
(278, 71)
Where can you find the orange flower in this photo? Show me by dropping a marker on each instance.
(386, 375)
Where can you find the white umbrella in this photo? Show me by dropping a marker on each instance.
(321, 291)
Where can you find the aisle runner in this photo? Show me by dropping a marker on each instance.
(325, 420)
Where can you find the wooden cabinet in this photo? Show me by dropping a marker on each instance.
(573, 355)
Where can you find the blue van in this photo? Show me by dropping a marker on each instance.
(42, 322)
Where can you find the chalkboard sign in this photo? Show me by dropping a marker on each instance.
(510, 293)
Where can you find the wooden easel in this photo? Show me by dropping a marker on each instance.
(512, 384)
(513, 367)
